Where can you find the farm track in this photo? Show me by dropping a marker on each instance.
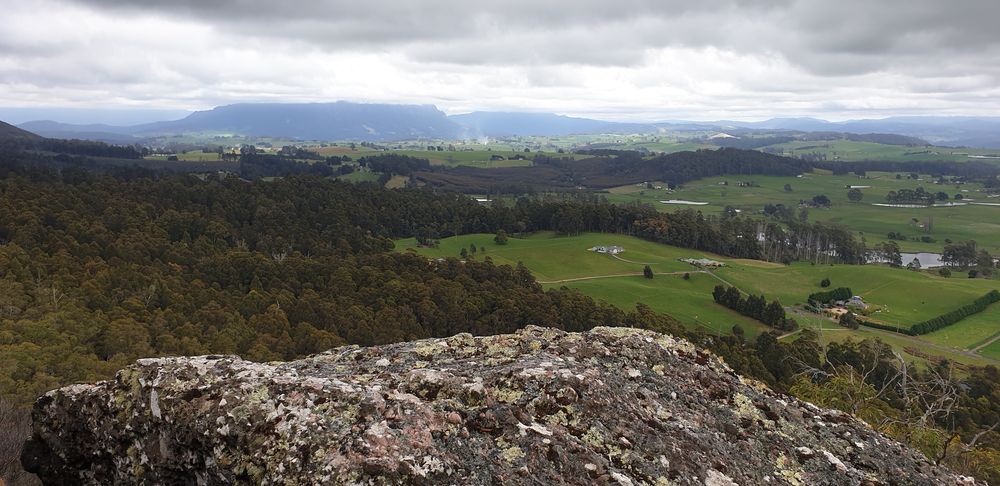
(985, 343)
(630, 261)
(635, 274)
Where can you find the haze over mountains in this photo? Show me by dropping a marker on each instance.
(389, 122)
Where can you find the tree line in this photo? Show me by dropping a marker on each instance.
(754, 307)
(945, 320)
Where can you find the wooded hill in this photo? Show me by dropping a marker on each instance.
(553, 173)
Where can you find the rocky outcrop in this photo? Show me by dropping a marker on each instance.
(610, 406)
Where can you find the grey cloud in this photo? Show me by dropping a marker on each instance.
(828, 38)
(733, 56)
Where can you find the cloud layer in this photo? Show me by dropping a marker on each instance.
(629, 59)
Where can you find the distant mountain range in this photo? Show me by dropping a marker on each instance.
(506, 124)
(306, 121)
(387, 122)
(939, 130)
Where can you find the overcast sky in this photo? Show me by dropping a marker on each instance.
(623, 59)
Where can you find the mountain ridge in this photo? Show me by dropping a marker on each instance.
(343, 120)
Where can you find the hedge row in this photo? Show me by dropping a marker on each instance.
(956, 315)
(842, 293)
(941, 321)
(885, 327)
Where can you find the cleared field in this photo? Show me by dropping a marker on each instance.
(690, 301)
(906, 296)
(396, 182)
(851, 150)
(971, 222)
(992, 351)
(969, 332)
(195, 156)
(360, 176)
(552, 258)
(476, 158)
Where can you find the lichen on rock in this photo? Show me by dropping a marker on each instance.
(609, 406)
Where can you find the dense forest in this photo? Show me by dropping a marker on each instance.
(610, 168)
(98, 268)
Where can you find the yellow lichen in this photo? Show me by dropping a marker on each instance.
(745, 408)
(593, 437)
(507, 395)
(787, 470)
(512, 453)
(509, 452)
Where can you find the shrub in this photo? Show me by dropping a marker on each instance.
(841, 293)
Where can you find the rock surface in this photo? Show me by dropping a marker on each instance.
(611, 406)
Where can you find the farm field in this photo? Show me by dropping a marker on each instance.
(360, 176)
(971, 222)
(969, 332)
(853, 150)
(992, 351)
(552, 258)
(193, 156)
(478, 158)
(907, 297)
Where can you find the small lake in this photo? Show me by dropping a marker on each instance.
(927, 260)
(681, 201)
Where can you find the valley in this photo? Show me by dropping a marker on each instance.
(905, 297)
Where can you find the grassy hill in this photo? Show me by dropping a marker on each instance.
(971, 222)
(906, 297)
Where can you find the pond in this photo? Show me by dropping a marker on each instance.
(681, 201)
(927, 260)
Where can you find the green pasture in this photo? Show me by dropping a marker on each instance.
(969, 332)
(971, 222)
(992, 351)
(553, 258)
(360, 176)
(193, 156)
(907, 297)
(847, 150)
(689, 301)
(904, 297)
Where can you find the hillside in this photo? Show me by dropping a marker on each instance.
(10, 132)
(613, 405)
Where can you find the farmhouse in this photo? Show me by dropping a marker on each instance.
(855, 301)
(610, 250)
(702, 262)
